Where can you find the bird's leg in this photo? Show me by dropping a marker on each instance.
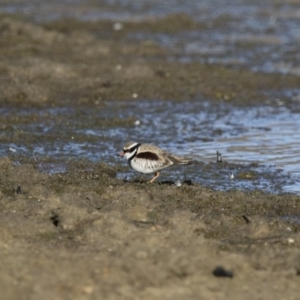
(155, 176)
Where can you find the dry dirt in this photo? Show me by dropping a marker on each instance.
(84, 234)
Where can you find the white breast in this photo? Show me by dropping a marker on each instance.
(146, 166)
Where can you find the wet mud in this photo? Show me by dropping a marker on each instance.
(82, 232)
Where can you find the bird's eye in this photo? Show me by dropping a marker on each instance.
(131, 150)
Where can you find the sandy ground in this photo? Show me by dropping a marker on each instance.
(84, 234)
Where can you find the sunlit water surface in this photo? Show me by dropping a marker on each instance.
(264, 140)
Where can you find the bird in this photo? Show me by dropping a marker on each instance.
(148, 159)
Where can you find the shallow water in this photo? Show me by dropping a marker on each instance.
(259, 145)
(260, 35)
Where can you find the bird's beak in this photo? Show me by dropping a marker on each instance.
(121, 153)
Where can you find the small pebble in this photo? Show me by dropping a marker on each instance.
(221, 272)
(219, 157)
(246, 219)
(18, 190)
(178, 183)
(279, 102)
(88, 289)
(118, 26)
(134, 95)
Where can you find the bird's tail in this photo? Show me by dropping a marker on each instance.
(181, 160)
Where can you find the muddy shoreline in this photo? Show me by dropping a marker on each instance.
(86, 234)
(83, 233)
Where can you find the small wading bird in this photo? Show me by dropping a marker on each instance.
(147, 159)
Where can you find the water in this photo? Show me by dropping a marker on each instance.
(259, 35)
(259, 145)
(262, 36)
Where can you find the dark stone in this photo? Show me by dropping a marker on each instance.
(221, 272)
